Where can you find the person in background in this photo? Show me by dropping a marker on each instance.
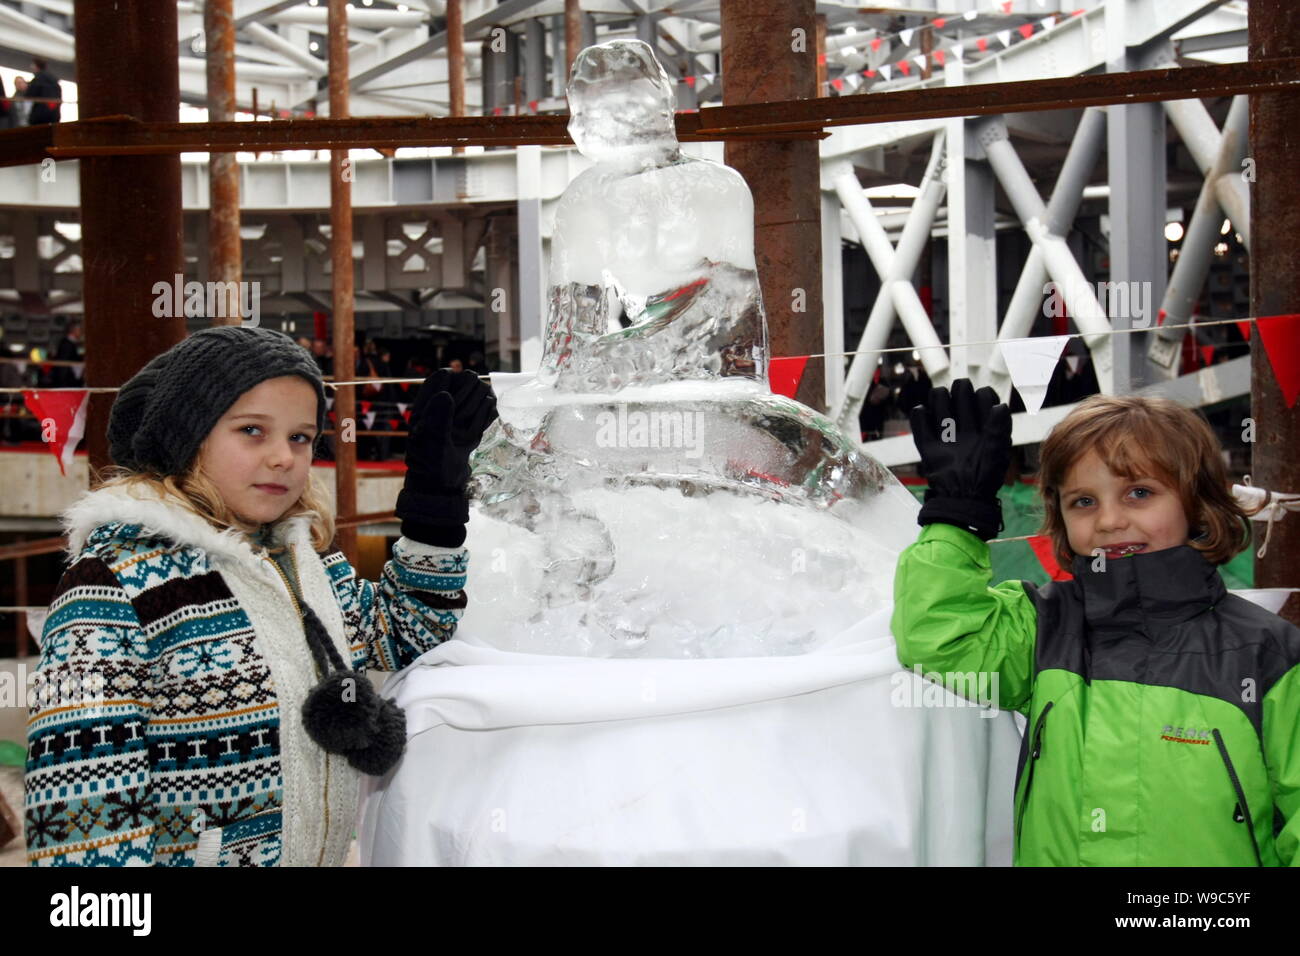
(69, 349)
(45, 94)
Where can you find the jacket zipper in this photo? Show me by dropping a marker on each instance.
(280, 571)
(1241, 812)
(1029, 771)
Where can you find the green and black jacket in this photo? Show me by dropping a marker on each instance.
(1163, 712)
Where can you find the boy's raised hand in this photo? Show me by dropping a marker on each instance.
(965, 445)
(451, 413)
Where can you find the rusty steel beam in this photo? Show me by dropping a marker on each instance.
(345, 398)
(119, 134)
(1025, 96)
(456, 61)
(130, 205)
(456, 57)
(224, 251)
(759, 66)
(572, 33)
(1274, 31)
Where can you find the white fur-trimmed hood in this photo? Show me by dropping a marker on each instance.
(157, 515)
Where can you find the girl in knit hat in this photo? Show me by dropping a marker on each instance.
(200, 698)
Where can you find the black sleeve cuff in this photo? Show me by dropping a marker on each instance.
(981, 518)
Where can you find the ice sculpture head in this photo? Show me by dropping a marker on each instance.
(620, 102)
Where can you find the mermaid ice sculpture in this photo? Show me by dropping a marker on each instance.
(652, 397)
(647, 502)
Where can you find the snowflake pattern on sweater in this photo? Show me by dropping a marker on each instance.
(172, 662)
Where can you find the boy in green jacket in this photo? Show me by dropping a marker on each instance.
(1163, 713)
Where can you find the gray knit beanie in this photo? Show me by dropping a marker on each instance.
(162, 415)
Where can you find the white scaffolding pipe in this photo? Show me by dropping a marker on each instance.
(1203, 140)
(897, 294)
(1061, 210)
(1197, 251)
(1073, 288)
(273, 41)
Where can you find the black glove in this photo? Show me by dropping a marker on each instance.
(451, 413)
(966, 471)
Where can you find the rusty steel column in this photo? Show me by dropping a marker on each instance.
(456, 63)
(224, 251)
(1274, 28)
(572, 33)
(822, 88)
(769, 52)
(345, 399)
(130, 205)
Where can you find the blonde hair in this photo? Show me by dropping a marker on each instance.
(195, 492)
(1135, 436)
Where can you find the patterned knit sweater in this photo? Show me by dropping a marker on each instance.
(166, 722)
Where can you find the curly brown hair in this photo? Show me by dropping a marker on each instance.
(1136, 436)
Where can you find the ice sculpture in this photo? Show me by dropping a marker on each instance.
(648, 461)
(645, 502)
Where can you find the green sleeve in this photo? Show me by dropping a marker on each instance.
(1282, 753)
(948, 620)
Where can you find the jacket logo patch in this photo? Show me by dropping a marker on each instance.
(1185, 735)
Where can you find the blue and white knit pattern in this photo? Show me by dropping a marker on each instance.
(166, 728)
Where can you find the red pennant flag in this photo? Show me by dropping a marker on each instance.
(406, 415)
(905, 67)
(1281, 337)
(939, 56)
(1042, 548)
(365, 408)
(1244, 329)
(821, 59)
(983, 44)
(837, 83)
(532, 105)
(1078, 13)
(1026, 30)
(784, 374)
(1161, 316)
(690, 81)
(939, 22)
(870, 73)
(875, 43)
(1207, 354)
(64, 415)
(496, 111)
(1006, 7)
(392, 424)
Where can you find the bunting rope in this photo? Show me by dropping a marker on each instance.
(902, 348)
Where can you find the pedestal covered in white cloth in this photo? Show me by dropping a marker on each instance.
(828, 758)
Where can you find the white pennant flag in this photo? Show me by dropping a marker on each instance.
(919, 60)
(851, 80)
(1047, 23)
(402, 407)
(707, 78)
(329, 402)
(906, 36)
(1031, 362)
(970, 15)
(886, 70)
(1072, 363)
(369, 419)
(959, 51)
(1004, 37)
